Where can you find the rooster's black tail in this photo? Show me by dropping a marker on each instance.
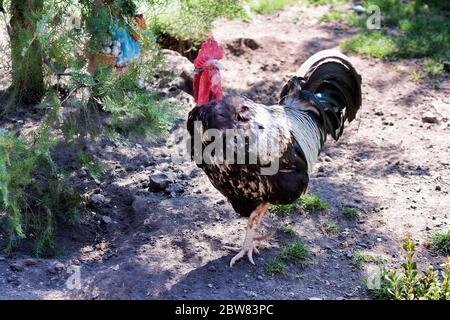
(331, 85)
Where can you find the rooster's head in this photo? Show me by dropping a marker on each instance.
(207, 81)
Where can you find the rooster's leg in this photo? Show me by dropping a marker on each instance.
(248, 248)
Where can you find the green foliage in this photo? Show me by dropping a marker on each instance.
(433, 67)
(189, 19)
(35, 193)
(296, 252)
(331, 227)
(408, 284)
(310, 203)
(411, 29)
(333, 16)
(269, 6)
(313, 203)
(92, 166)
(440, 242)
(285, 209)
(289, 229)
(323, 2)
(275, 266)
(350, 213)
(361, 257)
(375, 44)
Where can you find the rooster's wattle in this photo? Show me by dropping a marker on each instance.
(325, 92)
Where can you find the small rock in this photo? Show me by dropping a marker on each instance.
(159, 182)
(358, 9)
(59, 266)
(210, 285)
(260, 277)
(30, 262)
(99, 199)
(327, 159)
(379, 113)
(106, 219)
(438, 188)
(14, 281)
(16, 267)
(430, 118)
(212, 269)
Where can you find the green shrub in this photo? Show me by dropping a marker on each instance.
(189, 19)
(408, 284)
(35, 193)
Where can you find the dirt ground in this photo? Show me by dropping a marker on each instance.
(138, 244)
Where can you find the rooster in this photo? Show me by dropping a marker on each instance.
(315, 103)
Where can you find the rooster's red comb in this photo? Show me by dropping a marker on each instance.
(210, 50)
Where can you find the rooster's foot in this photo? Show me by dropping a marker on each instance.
(248, 248)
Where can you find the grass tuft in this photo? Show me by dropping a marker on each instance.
(313, 203)
(361, 257)
(331, 227)
(295, 251)
(310, 203)
(440, 242)
(268, 6)
(350, 213)
(289, 229)
(275, 266)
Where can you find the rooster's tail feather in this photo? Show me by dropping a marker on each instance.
(331, 84)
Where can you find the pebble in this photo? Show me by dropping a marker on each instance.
(99, 199)
(30, 262)
(16, 267)
(159, 182)
(106, 219)
(430, 118)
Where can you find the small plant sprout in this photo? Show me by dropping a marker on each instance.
(313, 203)
(350, 213)
(361, 257)
(331, 227)
(295, 251)
(310, 203)
(275, 266)
(289, 229)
